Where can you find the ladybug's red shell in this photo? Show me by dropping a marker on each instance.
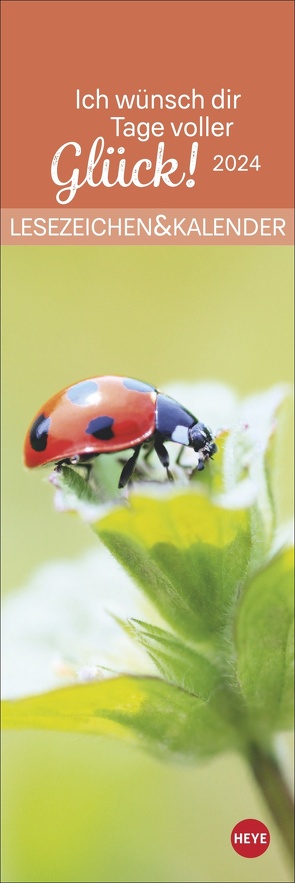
(98, 415)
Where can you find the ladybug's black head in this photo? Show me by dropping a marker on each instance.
(201, 440)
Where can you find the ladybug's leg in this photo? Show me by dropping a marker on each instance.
(163, 456)
(179, 455)
(88, 468)
(128, 468)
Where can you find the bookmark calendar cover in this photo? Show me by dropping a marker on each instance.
(147, 254)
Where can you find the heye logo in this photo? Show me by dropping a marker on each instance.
(250, 838)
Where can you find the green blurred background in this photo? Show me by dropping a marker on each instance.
(77, 808)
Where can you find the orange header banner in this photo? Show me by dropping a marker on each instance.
(117, 104)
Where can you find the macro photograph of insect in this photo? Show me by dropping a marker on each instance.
(147, 561)
(107, 414)
(147, 424)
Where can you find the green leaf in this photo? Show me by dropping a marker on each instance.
(163, 718)
(264, 642)
(75, 485)
(176, 661)
(279, 463)
(188, 554)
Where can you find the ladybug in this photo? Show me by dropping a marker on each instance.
(106, 414)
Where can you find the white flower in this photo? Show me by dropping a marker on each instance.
(60, 626)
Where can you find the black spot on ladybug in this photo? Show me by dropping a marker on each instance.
(80, 393)
(137, 385)
(39, 433)
(101, 427)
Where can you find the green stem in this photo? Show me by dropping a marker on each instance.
(270, 778)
